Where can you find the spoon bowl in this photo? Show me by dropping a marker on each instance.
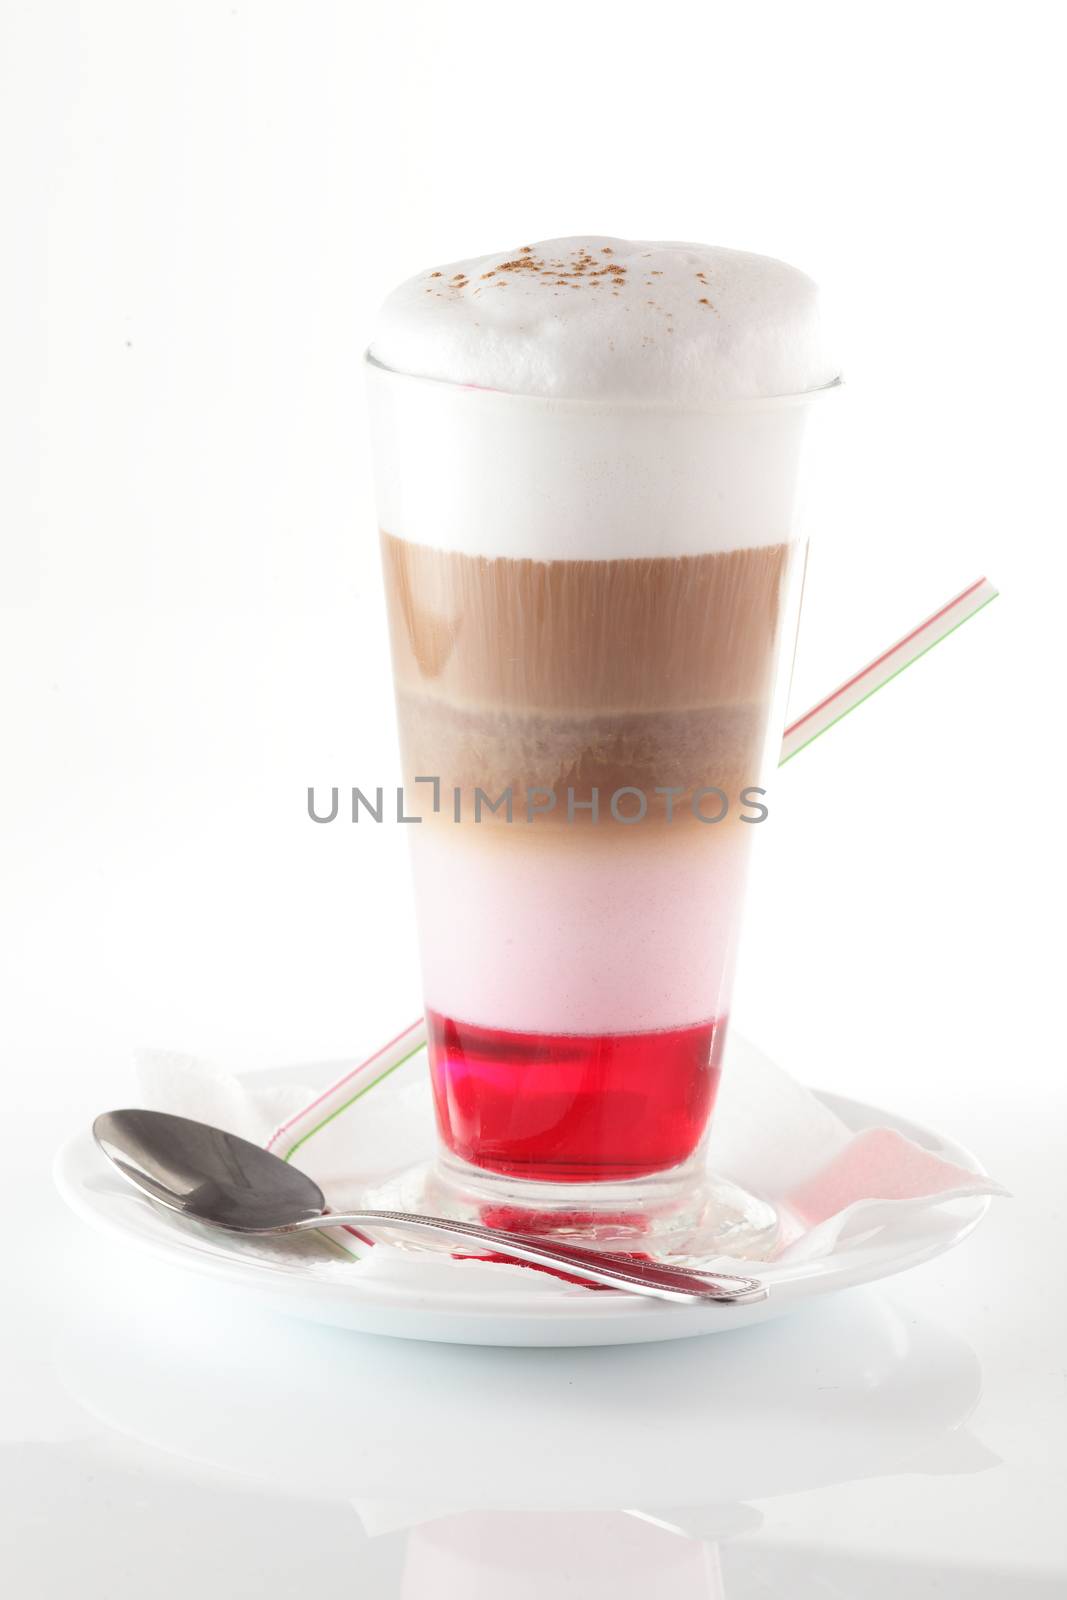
(206, 1174)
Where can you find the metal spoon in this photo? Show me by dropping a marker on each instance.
(216, 1178)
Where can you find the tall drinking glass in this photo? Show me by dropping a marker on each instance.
(589, 604)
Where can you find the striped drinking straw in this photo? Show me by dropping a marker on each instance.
(884, 667)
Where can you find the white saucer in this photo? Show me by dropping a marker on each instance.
(416, 1296)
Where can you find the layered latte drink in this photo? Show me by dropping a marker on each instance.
(587, 455)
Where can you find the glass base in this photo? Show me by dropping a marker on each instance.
(687, 1215)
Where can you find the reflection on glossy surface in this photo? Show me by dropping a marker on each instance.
(599, 1555)
(611, 1556)
(845, 1390)
(265, 1457)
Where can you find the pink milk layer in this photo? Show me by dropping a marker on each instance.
(570, 939)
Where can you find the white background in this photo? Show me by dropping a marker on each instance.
(203, 206)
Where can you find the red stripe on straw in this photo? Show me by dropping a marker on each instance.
(877, 662)
(326, 1093)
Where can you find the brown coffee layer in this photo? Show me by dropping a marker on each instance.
(575, 676)
(633, 636)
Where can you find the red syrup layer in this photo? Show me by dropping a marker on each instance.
(573, 1108)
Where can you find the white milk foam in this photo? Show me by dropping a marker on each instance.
(611, 319)
(572, 425)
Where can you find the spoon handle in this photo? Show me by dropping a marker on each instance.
(653, 1278)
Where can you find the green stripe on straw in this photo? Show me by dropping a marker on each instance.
(357, 1096)
(902, 668)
